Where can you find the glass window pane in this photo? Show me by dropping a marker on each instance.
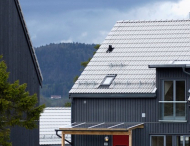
(168, 109)
(179, 140)
(187, 143)
(168, 140)
(157, 141)
(180, 90)
(180, 110)
(168, 91)
(108, 81)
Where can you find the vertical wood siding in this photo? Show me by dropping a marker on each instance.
(16, 53)
(129, 110)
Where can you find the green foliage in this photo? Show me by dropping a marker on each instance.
(67, 104)
(17, 107)
(97, 46)
(84, 64)
(60, 63)
(75, 78)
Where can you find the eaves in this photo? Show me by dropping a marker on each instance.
(112, 95)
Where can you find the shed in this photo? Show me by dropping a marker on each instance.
(52, 118)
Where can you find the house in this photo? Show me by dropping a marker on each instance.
(135, 89)
(55, 96)
(19, 55)
(52, 118)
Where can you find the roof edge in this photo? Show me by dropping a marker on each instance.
(168, 66)
(141, 21)
(34, 58)
(112, 95)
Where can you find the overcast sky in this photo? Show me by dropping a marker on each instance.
(89, 21)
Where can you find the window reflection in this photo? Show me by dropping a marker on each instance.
(168, 91)
(180, 90)
(179, 140)
(157, 140)
(161, 141)
(168, 140)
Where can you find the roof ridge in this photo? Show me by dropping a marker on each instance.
(141, 21)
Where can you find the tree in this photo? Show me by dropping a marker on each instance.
(85, 63)
(67, 104)
(75, 78)
(17, 107)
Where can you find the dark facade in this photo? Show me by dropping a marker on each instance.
(130, 110)
(17, 51)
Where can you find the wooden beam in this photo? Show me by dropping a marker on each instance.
(63, 139)
(130, 138)
(89, 132)
(138, 126)
(101, 131)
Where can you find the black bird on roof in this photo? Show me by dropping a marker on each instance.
(110, 49)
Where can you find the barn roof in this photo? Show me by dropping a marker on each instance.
(32, 51)
(136, 44)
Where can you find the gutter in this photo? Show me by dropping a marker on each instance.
(185, 71)
(168, 66)
(112, 95)
(183, 66)
(61, 137)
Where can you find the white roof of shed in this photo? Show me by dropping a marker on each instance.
(53, 118)
(136, 44)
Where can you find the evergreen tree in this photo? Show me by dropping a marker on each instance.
(67, 104)
(17, 107)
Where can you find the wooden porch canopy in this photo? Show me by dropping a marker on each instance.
(100, 129)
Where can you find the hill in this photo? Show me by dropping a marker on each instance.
(59, 64)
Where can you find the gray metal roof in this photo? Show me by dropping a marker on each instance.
(136, 44)
(53, 118)
(105, 125)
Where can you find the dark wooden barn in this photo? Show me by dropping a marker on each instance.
(137, 93)
(19, 55)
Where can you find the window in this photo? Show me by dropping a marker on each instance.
(183, 141)
(161, 140)
(166, 140)
(107, 81)
(173, 104)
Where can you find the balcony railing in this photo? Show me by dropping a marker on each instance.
(172, 111)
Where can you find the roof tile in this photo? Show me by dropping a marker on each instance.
(136, 45)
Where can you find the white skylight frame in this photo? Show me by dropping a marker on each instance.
(108, 80)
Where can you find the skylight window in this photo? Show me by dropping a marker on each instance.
(108, 80)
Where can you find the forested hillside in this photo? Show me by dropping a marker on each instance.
(59, 64)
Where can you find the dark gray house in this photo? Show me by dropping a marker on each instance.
(135, 89)
(19, 55)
